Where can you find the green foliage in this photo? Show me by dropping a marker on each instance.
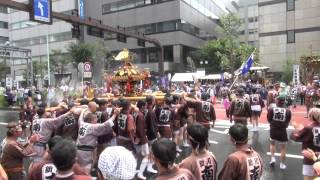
(58, 61)
(225, 53)
(287, 71)
(99, 51)
(39, 67)
(80, 52)
(229, 26)
(3, 101)
(3, 70)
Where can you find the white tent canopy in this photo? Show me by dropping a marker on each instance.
(183, 77)
(211, 77)
(256, 68)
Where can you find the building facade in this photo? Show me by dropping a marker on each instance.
(248, 12)
(4, 33)
(180, 25)
(288, 29)
(24, 33)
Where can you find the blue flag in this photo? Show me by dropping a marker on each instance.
(246, 67)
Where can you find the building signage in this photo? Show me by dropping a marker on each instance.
(296, 75)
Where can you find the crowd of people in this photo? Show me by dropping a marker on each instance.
(120, 139)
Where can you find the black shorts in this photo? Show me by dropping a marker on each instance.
(279, 135)
(256, 113)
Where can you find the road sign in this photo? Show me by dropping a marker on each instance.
(41, 11)
(87, 70)
(87, 74)
(87, 67)
(81, 8)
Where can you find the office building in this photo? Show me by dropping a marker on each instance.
(248, 12)
(288, 29)
(180, 25)
(24, 33)
(4, 33)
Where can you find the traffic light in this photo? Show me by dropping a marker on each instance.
(93, 31)
(141, 43)
(75, 31)
(122, 38)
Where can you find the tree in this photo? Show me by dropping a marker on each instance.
(38, 69)
(58, 61)
(4, 70)
(287, 71)
(80, 52)
(225, 53)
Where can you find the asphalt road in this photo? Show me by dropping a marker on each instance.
(221, 147)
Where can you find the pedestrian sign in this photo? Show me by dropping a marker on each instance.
(41, 11)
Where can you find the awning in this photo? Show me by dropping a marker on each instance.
(256, 68)
(183, 77)
(211, 77)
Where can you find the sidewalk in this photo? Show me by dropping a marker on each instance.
(12, 108)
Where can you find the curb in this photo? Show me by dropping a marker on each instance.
(9, 109)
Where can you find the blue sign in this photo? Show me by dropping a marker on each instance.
(81, 9)
(41, 11)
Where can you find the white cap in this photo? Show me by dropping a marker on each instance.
(116, 162)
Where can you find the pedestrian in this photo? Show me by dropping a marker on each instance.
(257, 105)
(245, 163)
(44, 126)
(201, 162)
(116, 163)
(3, 174)
(164, 154)
(46, 169)
(165, 118)
(89, 131)
(271, 97)
(151, 120)
(309, 135)
(64, 157)
(14, 153)
(141, 142)
(314, 156)
(309, 98)
(125, 126)
(240, 109)
(279, 118)
(205, 113)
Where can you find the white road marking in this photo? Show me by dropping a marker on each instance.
(2, 123)
(220, 132)
(213, 142)
(225, 123)
(287, 155)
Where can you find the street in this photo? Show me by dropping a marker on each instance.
(221, 146)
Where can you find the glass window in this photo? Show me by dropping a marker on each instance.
(3, 25)
(290, 5)
(168, 53)
(128, 4)
(3, 10)
(106, 8)
(290, 36)
(150, 28)
(166, 26)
